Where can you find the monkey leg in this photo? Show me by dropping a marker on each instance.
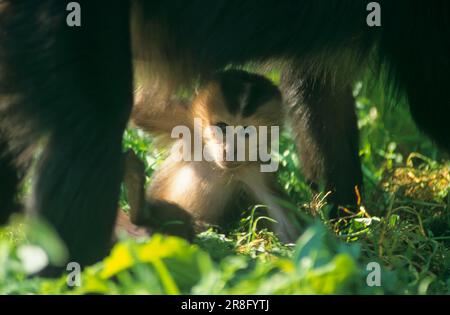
(422, 77)
(75, 86)
(432, 120)
(9, 181)
(325, 128)
(77, 188)
(425, 86)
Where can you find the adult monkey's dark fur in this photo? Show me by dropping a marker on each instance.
(75, 86)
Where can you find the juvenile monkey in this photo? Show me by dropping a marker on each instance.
(228, 173)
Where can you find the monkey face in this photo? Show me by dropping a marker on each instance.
(237, 112)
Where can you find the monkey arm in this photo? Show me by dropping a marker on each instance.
(160, 120)
(265, 189)
(158, 215)
(134, 180)
(285, 227)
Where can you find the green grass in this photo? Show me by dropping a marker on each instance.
(402, 223)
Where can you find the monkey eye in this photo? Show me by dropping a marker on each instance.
(222, 126)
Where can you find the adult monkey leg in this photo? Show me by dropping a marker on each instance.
(77, 187)
(325, 128)
(75, 85)
(9, 181)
